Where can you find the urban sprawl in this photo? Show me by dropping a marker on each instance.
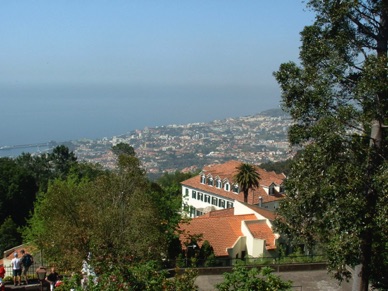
(253, 139)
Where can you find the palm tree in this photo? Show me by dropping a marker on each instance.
(247, 178)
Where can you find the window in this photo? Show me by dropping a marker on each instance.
(187, 192)
(281, 189)
(214, 201)
(271, 190)
(207, 198)
(203, 179)
(229, 204)
(210, 181)
(226, 187)
(199, 213)
(236, 188)
(200, 196)
(221, 203)
(192, 211)
(219, 183)
(194, 194)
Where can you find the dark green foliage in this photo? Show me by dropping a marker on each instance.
(252, 279)
(38, 167)
(206, 255)
(338, 99)
(87, 170)
(278, 167)
(46, 167)
(20, 180)
(9, 235)
(119, 217)
(171, 182)
(17, 191)
(61, 159)
(170, 201)
(139, 277)
(123, 149)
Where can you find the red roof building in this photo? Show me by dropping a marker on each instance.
(214, 189)
(242, 231)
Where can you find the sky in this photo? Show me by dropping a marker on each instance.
(72, 69)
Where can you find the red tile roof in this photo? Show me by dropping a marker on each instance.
(227, 171)
(221, 231)
(222, 212)
(264, 212)
(259, 229)
(222, 228)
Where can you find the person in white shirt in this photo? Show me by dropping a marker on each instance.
(16, 269)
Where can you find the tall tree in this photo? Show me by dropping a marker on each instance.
(9, 235)
(61, 160)
(38, 167)
(171, 182)
(338, 98)
(17, 191)
(116, 217)
(247, 177)
(123, 149)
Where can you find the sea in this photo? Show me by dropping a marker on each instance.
(32, 116)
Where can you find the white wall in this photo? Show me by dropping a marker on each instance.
(198, 204)
(241, 209)
(238, 247)
(255, 247)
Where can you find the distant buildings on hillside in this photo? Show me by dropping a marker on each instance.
(252, 139)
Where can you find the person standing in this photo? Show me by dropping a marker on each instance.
(27, 261)
(52, 278)
(2, 275)
(16, 269)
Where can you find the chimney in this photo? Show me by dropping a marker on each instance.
(260, 201)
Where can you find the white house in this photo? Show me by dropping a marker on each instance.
(214, 189)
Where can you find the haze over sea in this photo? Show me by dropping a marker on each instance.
(91, 69)
(34, 116)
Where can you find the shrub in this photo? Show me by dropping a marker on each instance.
(245, 279)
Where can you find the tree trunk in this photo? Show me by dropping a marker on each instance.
(374, 160)
(362, 272)
(246, 196)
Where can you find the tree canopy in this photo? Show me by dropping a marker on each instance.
(117, 220)
(17, 194)
(123, 149)
(23, 177)
(118, 216)
(278, 167)
(338, 98)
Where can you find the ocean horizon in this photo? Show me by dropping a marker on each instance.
(43, 114)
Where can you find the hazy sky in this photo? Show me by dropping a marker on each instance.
(215, 45)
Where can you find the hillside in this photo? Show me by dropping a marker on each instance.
(255, 139)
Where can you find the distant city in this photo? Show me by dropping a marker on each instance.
(253, 139)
